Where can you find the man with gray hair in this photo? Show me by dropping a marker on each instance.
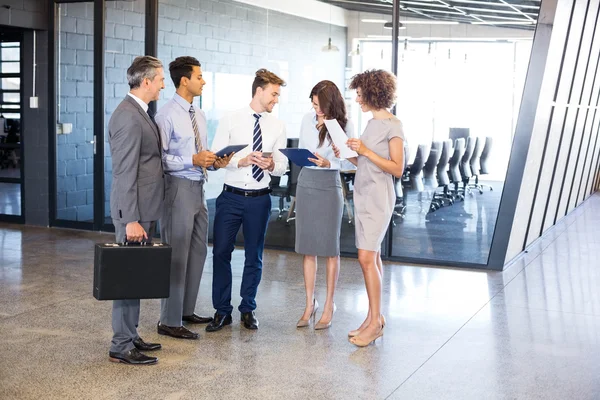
(136, 200)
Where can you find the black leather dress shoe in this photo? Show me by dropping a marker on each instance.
(179, 332)
(196, 319)
(219, 322)
(133, 357)
(249, 320)
(143, 346)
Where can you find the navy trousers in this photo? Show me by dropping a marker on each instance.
(252, 213)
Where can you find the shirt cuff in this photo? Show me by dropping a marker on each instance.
(187, 162)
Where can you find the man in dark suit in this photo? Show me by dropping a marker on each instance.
(137, 194)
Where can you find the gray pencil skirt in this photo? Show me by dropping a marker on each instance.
(319, 209)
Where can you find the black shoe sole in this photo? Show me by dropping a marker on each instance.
(118, 360)
(179, 337)
(197, 322)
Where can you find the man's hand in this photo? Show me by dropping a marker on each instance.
(135, 232)
(250, 159)
(265, 162)
(223, 161)
(204, 159)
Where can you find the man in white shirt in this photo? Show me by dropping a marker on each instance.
(245, 199)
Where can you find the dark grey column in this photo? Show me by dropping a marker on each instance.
(35, 130)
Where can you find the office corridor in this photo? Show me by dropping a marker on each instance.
(530, 332)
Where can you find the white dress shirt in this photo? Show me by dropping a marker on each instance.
(139, 101)
(237, 127)
(309, 139)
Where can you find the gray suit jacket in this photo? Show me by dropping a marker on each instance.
(138, 189)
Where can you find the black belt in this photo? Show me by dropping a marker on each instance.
(246, 193)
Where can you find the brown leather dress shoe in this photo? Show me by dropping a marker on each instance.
(143, 346)
(178, 332)
(132, 357)
(196, 319)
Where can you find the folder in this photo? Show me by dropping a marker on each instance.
(299, 156)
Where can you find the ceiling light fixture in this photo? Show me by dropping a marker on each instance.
(329, 48)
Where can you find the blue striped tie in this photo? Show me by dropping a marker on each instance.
(257, 173)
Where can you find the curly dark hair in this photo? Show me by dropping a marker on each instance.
(378, 88)
(332, 104)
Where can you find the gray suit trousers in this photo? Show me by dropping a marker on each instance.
(184, 226)
(126, 313)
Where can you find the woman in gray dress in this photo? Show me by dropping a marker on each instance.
(380, 158)
(319, 202)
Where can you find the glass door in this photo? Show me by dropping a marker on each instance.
(11, 166)
(75, 136)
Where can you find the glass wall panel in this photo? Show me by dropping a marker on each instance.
(75, 140)
(459, 95)
(232, 40)
(10, 198)
(125, 29)
(10, 127)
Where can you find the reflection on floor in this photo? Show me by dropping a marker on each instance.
(10, 198)
(529, 332)
(458, 233)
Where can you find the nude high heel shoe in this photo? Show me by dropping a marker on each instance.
(302, 323)
(355, 332)
(360, 342)
(319, 326)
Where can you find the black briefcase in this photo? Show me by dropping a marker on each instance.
(132, 271)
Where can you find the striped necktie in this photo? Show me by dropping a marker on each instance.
(257, 173)
(197, 137)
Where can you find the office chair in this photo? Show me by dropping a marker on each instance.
(400, 206)
(415, 171)
(476, 165)
(444, 198)
(430, 181)
(292, 184)
(283, 192)
(465, 164)
(483, 161)
(454, 169)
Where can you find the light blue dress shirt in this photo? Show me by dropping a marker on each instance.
(178, 138)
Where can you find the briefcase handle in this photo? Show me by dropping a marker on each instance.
(129, 243)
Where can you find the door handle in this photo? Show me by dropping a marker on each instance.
(92, 142)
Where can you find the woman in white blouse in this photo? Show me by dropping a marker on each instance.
(319, 201)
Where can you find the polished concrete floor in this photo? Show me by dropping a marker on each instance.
(530, 332)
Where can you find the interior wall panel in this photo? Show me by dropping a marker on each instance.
(587, 144)
(531, 130)
(573, 79)
(587, 65)
(545, 172)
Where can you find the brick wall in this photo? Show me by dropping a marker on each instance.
(32, 14)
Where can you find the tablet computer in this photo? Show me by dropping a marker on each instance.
(230, 149)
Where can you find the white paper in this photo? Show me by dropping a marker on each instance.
(339, 138)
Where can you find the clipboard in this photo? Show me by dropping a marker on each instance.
(230, 149)
(299, 156)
